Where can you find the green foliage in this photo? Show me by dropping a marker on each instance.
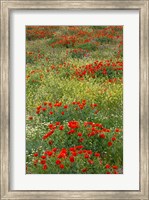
(88, 46)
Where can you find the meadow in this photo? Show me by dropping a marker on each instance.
(74, 99)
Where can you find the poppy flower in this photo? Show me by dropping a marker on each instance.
(38, 112)
(61, 127)
(38, 107)
(117, 130)
(73, 124)
(58, 162)
(71, 131)
(74, 153)
(51, 113)
(44, 109)
(115, 167)
(35, 154)
(102, 135)
(42, 162)
(51, 126)
(97, 154)
(89, 152)
(58, 123)
(79, 134)
(49, 153)
(50, 142)
(71, 159)
(91, 162)
(79, 147)
(81, 140)
(62, 113)
(62, 155)
(109, 144)
(45, 167)
(58, 104)
(86, 156)
(54, 149)
(113, 138)
(84, 170)
(30, 118)
(107, 166)
(61, 166)
(43, 157)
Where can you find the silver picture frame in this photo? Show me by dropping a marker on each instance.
(143, 6)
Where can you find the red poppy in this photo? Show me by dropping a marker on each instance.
(71, 159)
(91, 162)
(79, 134)
(115, 167)
(61, 127)
(61, 166)
(84, 170)
(50, 105)
(62, 113)
(106, 130)
(58, 123)
(113, 138)
(58, 104)
(107, 166)
(73, 124)
(109, 144)
(62, 155)
(71, 131)
(81, 140)
(89, 152)
(50, 142)
(93, 105)
(86, 156)
(30, 118)
(38, 107)
(44, 109)
(35, 154)
(51, 113)
(42, 162)
(51, 126)
(58, 162)
(117, 130)
(74, 153)
(38, 112)
(102, 135)
(54, 149)
(49, 153)
(79, 147)
(66, 106)
(43, 157)
(97, 154)
(45, 167)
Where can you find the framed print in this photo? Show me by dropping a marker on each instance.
(74, 99)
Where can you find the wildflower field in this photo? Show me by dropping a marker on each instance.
(74, 99)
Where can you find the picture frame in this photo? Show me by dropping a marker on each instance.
(6, 7)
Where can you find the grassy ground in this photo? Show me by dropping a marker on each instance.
(74, 100)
